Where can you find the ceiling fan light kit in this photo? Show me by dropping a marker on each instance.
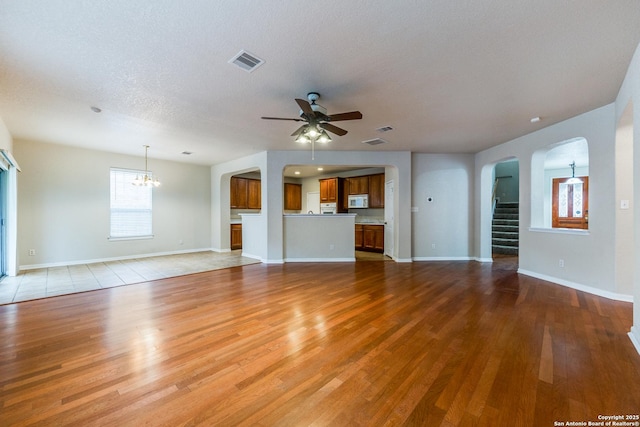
(317, 122)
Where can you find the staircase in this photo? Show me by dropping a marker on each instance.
(504, 238)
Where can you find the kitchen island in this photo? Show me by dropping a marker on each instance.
(319, 238)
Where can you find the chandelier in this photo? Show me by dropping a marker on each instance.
(147, 180)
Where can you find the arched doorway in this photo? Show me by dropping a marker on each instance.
(505, 223)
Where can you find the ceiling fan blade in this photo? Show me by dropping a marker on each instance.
(306, 108)
(333, 129)
(299, 130)
(282, 118)
(352, 115)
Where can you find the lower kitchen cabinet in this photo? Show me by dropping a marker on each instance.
(369, 237)
(359, 237)
(236, 236)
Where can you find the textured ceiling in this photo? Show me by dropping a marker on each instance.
(448, 76)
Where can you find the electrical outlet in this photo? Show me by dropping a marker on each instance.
(331, 247)
(32, 252)
(433, 246)
(561, 263)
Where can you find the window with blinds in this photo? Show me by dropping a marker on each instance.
(131, 206)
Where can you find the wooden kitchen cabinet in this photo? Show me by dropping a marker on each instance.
(239, 195)
(359, 185)
(329, 190)
(245, 193)
(236, 236)
(332, 190)
(376, 190)
(373, 238)
(254, 194)
(359, 237)
(343, 206)
(292, 197)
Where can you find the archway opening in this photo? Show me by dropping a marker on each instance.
(505, 223)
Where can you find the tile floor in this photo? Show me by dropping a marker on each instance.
(47, 282)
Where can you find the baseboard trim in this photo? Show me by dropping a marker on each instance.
(634, 335)
(247, 255)
(443, 258)
(121, 258)
(320, 260)
(483, 259)
(591, 290)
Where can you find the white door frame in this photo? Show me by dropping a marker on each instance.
(389, 219)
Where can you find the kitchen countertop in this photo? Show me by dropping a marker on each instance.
(370, 221)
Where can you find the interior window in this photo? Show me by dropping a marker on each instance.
(570, 202)
(566, 173)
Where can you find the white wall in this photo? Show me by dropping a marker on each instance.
(6, 142)
(588, 257)
(447, 220)
(63, 205)
(509, 178)
(629, 97)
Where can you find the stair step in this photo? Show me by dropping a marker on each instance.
(506, 212)
(511, 235)
(506, 216)
(513, 228)
(504, 242)
(504, 250)
(511, 222)
(505, 228)
(508, 205)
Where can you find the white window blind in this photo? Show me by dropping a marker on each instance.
(131, 206)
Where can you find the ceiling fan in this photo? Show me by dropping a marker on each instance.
(318, 121)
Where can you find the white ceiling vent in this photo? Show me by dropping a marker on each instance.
(375, 141)
(246, 61)
(384, 129)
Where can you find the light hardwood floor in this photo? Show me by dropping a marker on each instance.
(348, 344)
(64, 280)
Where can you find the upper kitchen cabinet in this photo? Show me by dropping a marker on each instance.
(359, 185)
(332, 190)
(254, 194)
(329, 190)
(376, 190)
(245, 193)
(239, 195)
(292, 197)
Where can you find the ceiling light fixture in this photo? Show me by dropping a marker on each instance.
(147, 180)
(312, 134)
(573, 179)
(535, 119)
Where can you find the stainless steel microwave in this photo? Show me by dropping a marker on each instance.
(358, 201)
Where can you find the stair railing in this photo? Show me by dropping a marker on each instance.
(493, 196)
